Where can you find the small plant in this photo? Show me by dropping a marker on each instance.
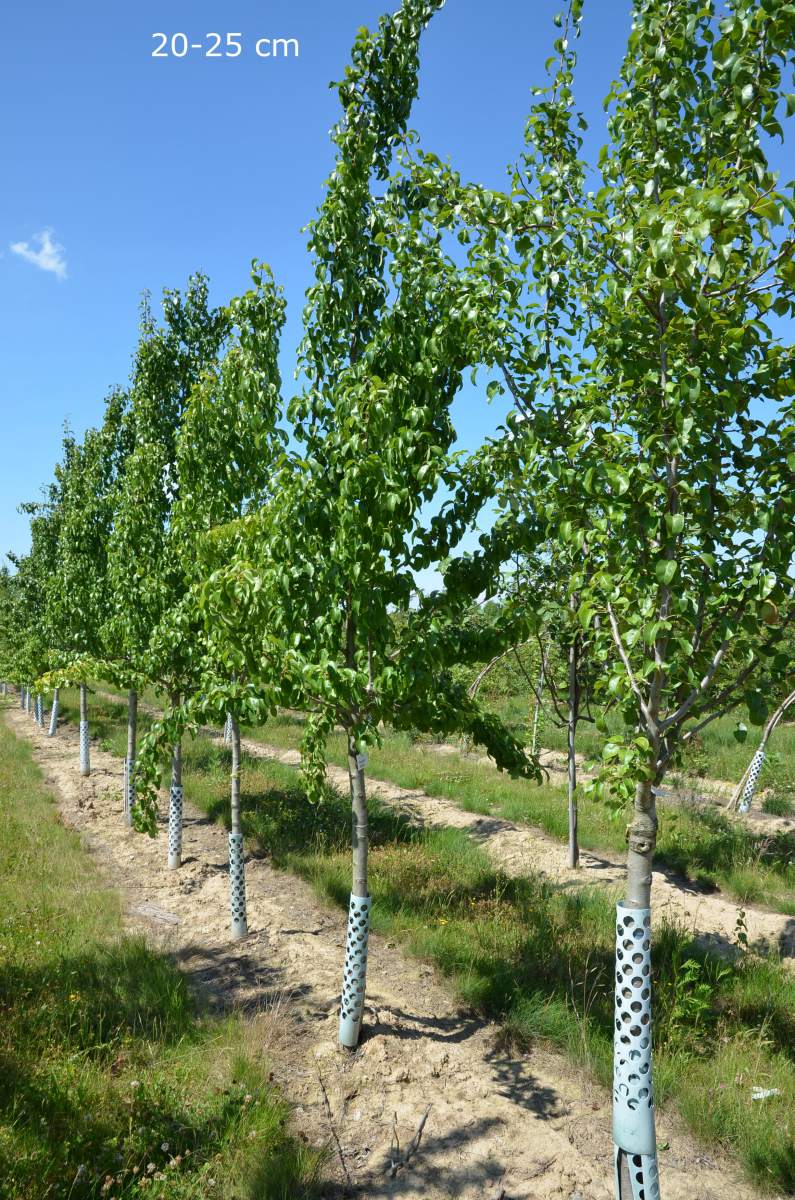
(692, 999)
(777, 804)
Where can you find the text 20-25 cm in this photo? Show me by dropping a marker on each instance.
(222, 45)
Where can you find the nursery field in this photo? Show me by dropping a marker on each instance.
(116, 1079)
(397, 756)
(532, 955)
(751, 859)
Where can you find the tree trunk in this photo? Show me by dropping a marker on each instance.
(642, 839)
(132, 736)
(355, 972)
(85, 756)
(574, 845)
(537, 710)
(54, 713)
(237, 868)
(175, 810)
(634, 1137)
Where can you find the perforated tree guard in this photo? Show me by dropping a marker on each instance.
(354, 975)
(85, 758)
(129, 791)
(39, 710)
(633, 1094)
(228, 730)
(54, 716)
(175, 827)
(237, 886)
(749, 791)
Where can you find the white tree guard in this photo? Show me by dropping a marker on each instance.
(228, 730)
(237, 886)
(175, 827)
(129, 791)
(749, 791)
(26, 705)
(85, 757)
(38, 710)
(54, 714)
(633, 1094)
(354, 975)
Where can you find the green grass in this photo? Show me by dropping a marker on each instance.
(700, 844)
(540, 959)
(112, 1084)
(715, 753)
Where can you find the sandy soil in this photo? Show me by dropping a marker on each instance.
(685, 790)
(709, 914)
(501, 1126)
(520, 849)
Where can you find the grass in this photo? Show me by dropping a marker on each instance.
(698, 843)
(540, 959)
(112, 1083)
(715, 753)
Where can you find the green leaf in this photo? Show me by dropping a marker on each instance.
(665, 570)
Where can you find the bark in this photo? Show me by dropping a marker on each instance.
(132, 734)
(642, 840)
(574, 846)
(235, 787)
(176, 765)
(54, 713)
(359, 821)
(537, 710)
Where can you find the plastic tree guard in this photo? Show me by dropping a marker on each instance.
(237, 886)
(633, 1096)
(749, 791)
(85, 758)
(175, 827)
(354, 976)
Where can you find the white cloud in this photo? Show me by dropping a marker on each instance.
(49, 255)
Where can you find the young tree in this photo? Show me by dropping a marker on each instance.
(77, 592)
(637, 337)
(323, 571)
(143, 565)
(226, 451)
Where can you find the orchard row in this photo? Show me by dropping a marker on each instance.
(239, 550)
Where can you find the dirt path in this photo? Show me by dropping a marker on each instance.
(527, 1124)
(685, 790)
(520, 849)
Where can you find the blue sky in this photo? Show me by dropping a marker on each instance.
(147, 169)
(144, 170)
